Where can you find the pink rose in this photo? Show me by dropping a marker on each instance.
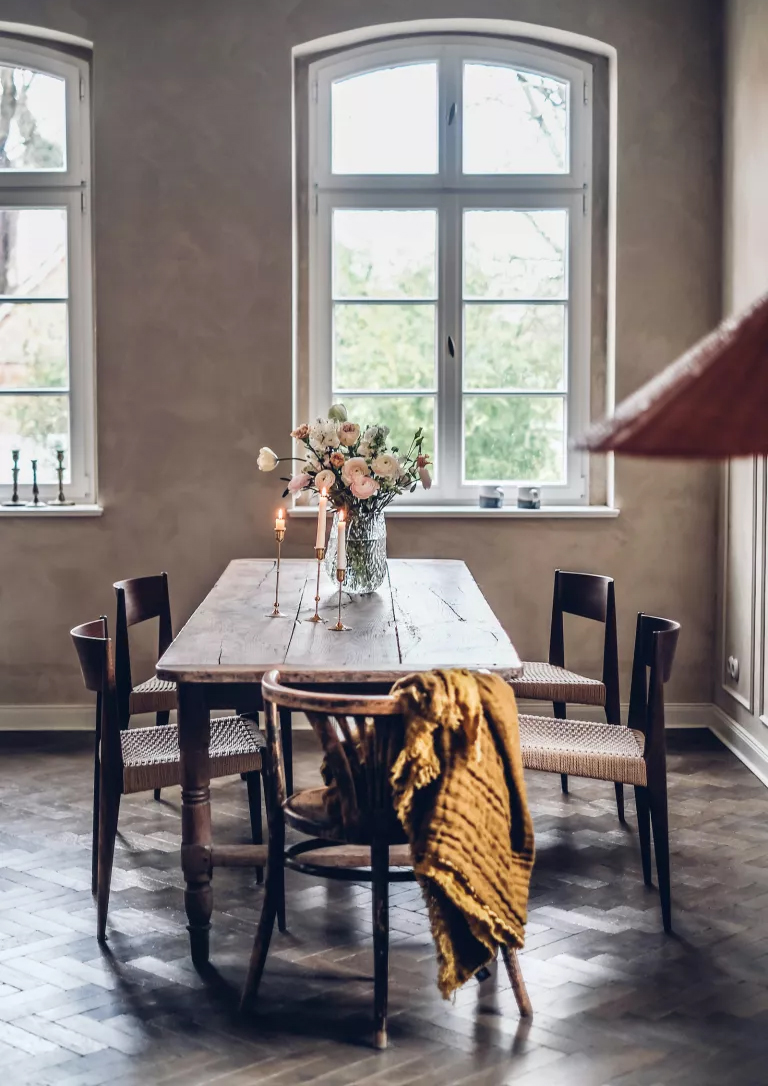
(298, 482)
(363, 486)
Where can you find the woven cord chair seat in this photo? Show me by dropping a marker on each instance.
(153, 696)
(606, 752)
(151, 755)
(547, 682)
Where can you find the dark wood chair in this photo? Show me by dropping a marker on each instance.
(635, 754)
(141, 599)
(139, 759)
(590, 596)
(361, 736)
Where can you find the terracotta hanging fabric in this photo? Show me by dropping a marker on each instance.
(712, 403)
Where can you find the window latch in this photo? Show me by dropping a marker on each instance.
(452, 113)
(451, 347)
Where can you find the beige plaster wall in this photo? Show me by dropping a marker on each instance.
(743, 632)
(192, 111)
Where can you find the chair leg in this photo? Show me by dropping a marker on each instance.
(286, 741)
(161, 720)
(564, 783)
(96, 803)
(660, 823)
(620, 801)
(515, 974)
(253, 784)
(644, 831)
(273, 898)
(380, 893)
(109, 810)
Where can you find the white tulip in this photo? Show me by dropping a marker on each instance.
(267, 460)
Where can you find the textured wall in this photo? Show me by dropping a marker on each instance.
(192, 109)
(743, 633)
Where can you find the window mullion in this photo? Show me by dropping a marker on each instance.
(449, 365)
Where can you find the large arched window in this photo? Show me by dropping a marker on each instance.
(449, 254)
(46, 323)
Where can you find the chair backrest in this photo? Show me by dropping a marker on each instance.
(139, 599)
(97, 663)
(361, 737)
(592, 596)
(655, 646)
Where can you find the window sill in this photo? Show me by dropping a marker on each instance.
(52, 511)
(548, 512)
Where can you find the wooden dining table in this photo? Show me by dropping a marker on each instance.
(427, 614)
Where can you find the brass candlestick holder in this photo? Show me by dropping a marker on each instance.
(36, 502)
(15, 500)
(61, 498)
(276, 612)
(320, 555)
(340, 574)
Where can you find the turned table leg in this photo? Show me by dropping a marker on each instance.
(194, 741)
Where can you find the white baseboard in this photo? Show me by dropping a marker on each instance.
(744, 746)
(75, 718)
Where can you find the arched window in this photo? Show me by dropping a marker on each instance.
(46, 323)
(449, 254)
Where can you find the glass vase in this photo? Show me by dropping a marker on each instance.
(366, 553)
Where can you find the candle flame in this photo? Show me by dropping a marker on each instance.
(341, 516)
(279, 514)
(324, 493)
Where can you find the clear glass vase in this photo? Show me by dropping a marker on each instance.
(366, 553)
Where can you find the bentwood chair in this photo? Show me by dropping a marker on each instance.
(590, 596)
(140, 599)
(635, 754)
(361, 737)
(139, 759)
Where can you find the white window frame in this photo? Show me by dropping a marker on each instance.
(68, 188)
(448, 192)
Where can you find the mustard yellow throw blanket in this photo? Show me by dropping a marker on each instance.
(459, 793)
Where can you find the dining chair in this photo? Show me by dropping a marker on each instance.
(139, 759)
(590, 596)
(635, 754)
(361, 737)
(141, 599)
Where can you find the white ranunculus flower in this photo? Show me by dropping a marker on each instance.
(364, 449)
(324, 480)
(323, 435)
(267, 460)
(386, 465)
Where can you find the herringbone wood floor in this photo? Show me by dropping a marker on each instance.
(616, 1002)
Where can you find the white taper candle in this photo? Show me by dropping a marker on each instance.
(322, 510)
(341, 560)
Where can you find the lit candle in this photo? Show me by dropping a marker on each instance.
(280, 521)
(321, 514)
(341, 561)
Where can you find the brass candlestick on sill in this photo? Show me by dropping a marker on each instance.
(340, 574)
(320, 555)
(36, 502)
(15, 475)
(61, 499)
(276, 612)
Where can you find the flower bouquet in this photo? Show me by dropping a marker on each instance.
(361, 474)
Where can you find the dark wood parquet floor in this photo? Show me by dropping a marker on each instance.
(616, 1002)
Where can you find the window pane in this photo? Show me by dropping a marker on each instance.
(33, 108)
(514, 439)
(384, 254)
(514, 346)
(514, 121)
(36, 426)
(385, 121)
(33, 252)
(515, 254)
(384, 346)
(33, 345)
(402, 414)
